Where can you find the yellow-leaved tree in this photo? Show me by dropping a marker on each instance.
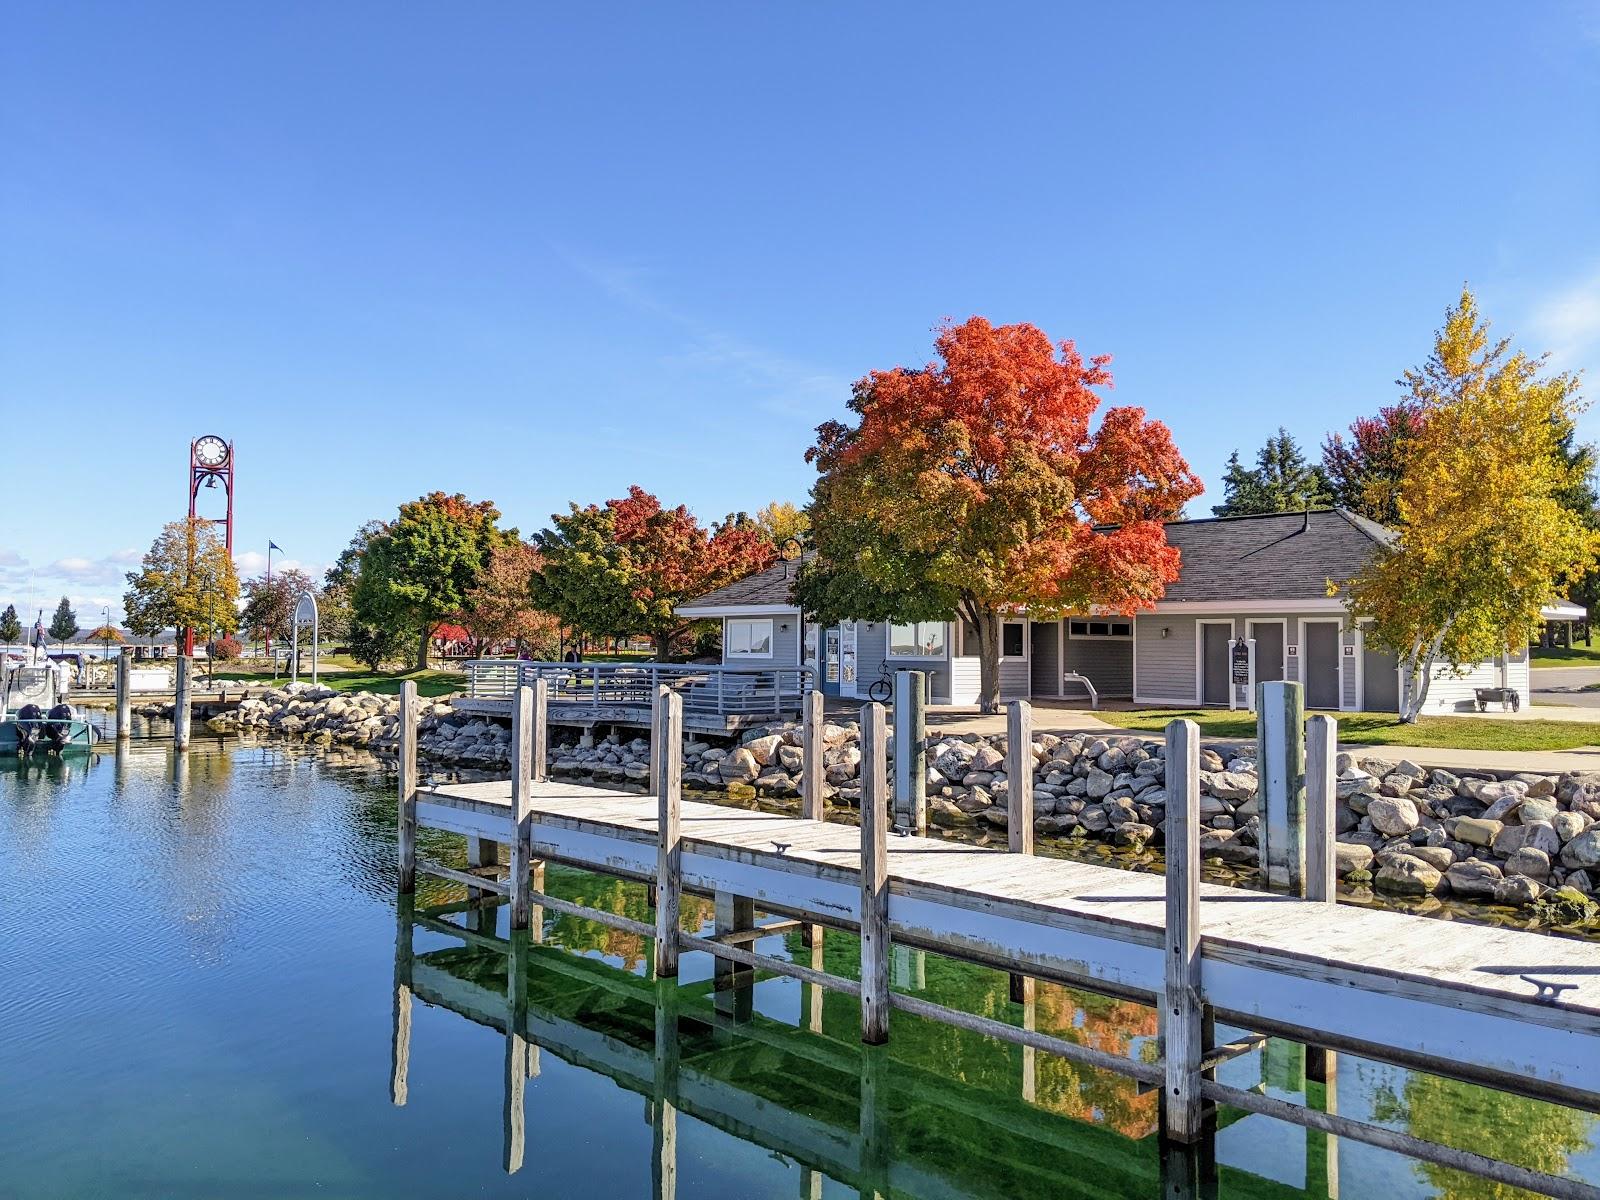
(186, 581)
(1483, 541)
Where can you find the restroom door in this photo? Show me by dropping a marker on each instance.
(1269, 650)
(1319, 655)
(1214, 639)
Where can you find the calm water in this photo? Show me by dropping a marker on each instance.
(199, 965)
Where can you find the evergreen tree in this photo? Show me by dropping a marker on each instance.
(1281, 481)
(64, 625)
(10, 625)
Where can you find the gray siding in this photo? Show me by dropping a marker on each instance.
(1165, 664)
(1107, 662)
(1046, 670)
(1015, 681)
(872, 645)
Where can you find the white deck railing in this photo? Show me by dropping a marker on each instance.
(599, 688)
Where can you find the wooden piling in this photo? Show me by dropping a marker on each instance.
(874, 877)
(664, 1115)
(1182, 1010)
(408, 788)
(539, 746)
(1322, 875)
(667, 733)
(1281, 768)
(910, 735)
(812, 805)
(180, 702)
(733, 981)
(125, 694)
(522, 730)
(1019, 804)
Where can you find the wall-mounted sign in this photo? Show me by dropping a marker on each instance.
(1294, 651)
(1349, 651)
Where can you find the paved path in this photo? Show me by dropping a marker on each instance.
(1565, 686)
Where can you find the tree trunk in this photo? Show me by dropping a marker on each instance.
(423, 647)
(988, 627)
(663, 643)
(1421, 675)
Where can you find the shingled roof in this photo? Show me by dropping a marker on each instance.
(771, 588)
(1279, 556)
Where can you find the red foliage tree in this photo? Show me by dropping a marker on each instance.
(1365, 471)
(976, 486)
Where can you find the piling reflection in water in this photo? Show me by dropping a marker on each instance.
(939, 1110)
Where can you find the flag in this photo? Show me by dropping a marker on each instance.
(271, 545)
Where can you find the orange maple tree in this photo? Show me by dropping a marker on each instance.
(978, 486)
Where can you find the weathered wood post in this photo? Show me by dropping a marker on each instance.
(1182, 1010)
(734, 982)
(667, 733)
(874, 877)
(812, 806)
(1281, 768)
(180, 702)
(876, 1153)
(407, 832)
(521, 805)
(910, 735)
(540, 774)
(400, 1032)
(519, 1054)
(1322, 873)
(1019, 804)
(125, 694)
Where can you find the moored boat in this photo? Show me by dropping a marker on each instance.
(34, 716)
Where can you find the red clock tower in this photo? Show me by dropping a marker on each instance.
(210, 463)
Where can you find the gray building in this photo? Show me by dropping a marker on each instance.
(1252, 603)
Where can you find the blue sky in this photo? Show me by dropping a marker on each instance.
(538, 253)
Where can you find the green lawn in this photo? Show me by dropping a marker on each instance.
(1563, 656)
(429, 683)
(1378, 729)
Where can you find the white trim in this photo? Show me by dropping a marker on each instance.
(1563, 610)
(1025, 655)
(1099, 637)
(738, 610)
(1061, 659)
(1199, 657)
(1134, 686)
(853, 683)
(889, 654)
(1361, 667)
(1305, 659)
(1326, 604)
(1172, 700)
(728, 652)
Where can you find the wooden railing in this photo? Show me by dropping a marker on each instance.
(707, 691)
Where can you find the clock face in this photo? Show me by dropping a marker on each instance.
(211, 451)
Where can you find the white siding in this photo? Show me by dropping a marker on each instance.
(1451, 693)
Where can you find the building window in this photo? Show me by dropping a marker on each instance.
(1099, 629)
(748, 637)
(1012, 635)
(920, 639)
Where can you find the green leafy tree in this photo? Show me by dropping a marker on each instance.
(1281, 481)
(1484, 539)
(186, 581)
(424, 565)
(10, 626)
(64, 624)
(269, 603)
(782, 520)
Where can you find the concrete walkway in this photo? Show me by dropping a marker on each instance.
(1061, 718)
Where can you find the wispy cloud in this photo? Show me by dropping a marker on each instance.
(1568, 323)
(253, 562)
(776, 383)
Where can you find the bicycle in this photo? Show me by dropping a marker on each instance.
(881, 688)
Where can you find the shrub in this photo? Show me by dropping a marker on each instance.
(226, 649)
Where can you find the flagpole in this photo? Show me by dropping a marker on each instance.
(269, 598)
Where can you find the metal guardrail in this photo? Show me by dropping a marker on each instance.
(707, 691)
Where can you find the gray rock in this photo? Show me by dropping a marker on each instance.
(1476, 831)
(1099, 784)
(1538, 808)
(1351, 856)
(1535, 864)
(1230, 785)
(1583, 851)
(740, 766)
(1518, 890)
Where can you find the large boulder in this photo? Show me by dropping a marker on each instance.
(1351, 856)
(739, 767)
(1476, 831)
(763, 749)
(1473, 879)
(1583, 851)
(1393, 815)
(1407, 875)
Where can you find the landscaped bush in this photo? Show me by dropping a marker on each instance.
(226, 649)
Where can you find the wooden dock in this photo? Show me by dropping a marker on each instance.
(1470, 1002)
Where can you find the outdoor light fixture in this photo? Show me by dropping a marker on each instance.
(784, 628)
(1165, 632)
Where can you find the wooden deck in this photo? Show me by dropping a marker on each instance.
(1447, 997)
